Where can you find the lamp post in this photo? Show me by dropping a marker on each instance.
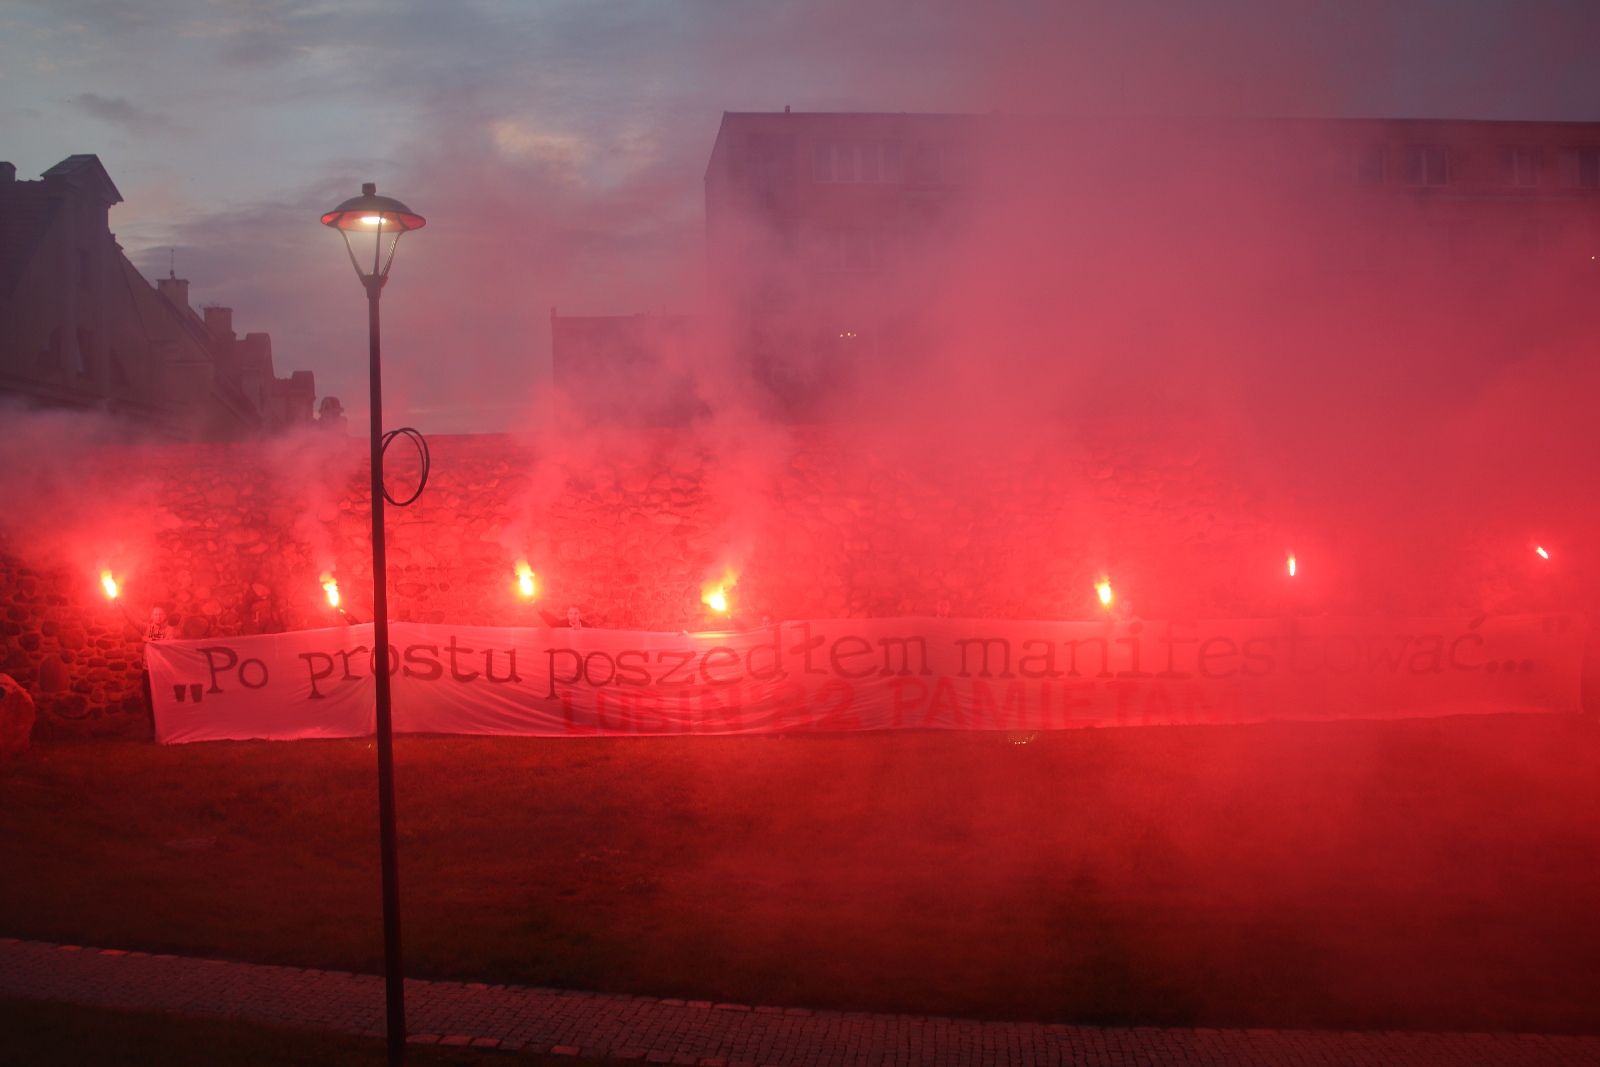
(383, 219)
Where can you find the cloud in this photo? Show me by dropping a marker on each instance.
(118, 111)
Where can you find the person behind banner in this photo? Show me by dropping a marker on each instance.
(157, 629)
(574, 619)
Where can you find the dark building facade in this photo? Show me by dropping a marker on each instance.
(81, 329)
(842, 240)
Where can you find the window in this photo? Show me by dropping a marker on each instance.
(1580, 168)
(845, 162)
(50, 354)
(1519, 167)
(84, 364)
(1427, 164)
(119, 373)
(849, 250)
(769, 164)
(1372, 165)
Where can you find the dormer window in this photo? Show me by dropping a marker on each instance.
(850, 162)
(1519, 167)
(1580, 168)
(50, 354)
(84, 364)
(1427, 164)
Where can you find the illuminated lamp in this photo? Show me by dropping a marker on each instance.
(383, 219)
(376, 223)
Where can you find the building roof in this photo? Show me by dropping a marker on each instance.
(26, 211)
(86, 174)
(28, 208)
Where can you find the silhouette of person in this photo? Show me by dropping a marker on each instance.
(156, 630)
(574, 618)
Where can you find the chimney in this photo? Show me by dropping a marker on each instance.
(8, 173)
(255, 354)
(175, 289)
(220, 322)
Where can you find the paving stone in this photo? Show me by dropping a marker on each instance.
(630, 1028)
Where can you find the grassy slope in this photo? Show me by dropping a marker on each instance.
(1421, 874)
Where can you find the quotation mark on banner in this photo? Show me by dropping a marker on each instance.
(194, 690)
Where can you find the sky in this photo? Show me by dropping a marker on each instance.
(558, 148)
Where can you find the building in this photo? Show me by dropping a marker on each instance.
(81, 329)
(838, 242)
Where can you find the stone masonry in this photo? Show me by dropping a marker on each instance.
(630, 528)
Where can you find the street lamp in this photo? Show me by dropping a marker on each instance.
(381, 219)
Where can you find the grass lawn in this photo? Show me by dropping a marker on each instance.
(1421, 874)
(69, 1035)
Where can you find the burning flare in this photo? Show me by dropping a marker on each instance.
(525, 581)
(1539, 549)
(715, 595)
(109, 584)
(1102, 589)
(1291, 565)
(331, 587)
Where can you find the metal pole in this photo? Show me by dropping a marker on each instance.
(393, 970)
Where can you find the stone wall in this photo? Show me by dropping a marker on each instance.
(234, 539)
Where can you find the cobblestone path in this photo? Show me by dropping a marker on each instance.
(705, 1034)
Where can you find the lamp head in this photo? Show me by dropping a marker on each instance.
(383, 218)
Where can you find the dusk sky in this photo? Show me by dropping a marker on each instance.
(557, 149)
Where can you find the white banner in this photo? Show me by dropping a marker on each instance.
(864, 674)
